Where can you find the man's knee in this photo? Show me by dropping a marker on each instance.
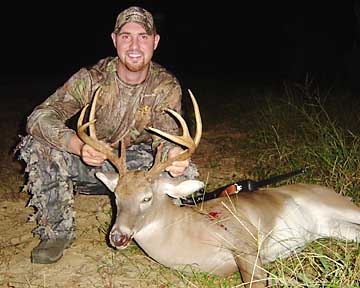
(139, 157)
(45, 161)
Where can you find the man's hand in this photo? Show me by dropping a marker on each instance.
(177, 168)
(91, 156)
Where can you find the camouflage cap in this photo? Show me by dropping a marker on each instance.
(138, 15)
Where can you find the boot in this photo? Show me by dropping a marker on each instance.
(49, 251)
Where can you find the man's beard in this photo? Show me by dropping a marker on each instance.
(135, 66)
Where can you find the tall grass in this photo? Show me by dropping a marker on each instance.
(307, 129)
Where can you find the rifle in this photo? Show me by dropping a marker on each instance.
(247, 185)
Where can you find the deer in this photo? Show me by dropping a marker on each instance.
(241, 232)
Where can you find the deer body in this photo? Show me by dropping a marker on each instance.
(199, 247)
(240, 232)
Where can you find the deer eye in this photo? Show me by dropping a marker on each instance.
(146, 199)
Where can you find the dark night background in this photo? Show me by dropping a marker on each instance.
(249, 40)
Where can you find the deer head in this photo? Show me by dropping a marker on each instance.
(137, 193)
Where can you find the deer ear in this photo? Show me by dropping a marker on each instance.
(183, 189)
(109, 179)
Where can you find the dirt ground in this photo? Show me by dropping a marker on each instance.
(90, 261)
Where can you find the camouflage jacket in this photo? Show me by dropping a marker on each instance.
(123, 111)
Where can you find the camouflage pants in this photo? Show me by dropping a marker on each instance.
(52, 177)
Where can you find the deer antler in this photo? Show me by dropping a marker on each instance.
(119, 162)
(183, 140)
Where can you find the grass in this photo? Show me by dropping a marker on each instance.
(299, 131)
(324, 263)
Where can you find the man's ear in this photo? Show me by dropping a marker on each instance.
(113, 37)
(109, 179)
(156, 40)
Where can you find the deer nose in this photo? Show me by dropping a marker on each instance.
(119, 240)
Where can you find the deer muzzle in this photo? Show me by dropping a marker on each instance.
(119, 240)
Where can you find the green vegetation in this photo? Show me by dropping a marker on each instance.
(318, 132)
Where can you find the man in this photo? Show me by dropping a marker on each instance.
(134, 93)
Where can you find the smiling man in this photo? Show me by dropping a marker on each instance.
(134, 91)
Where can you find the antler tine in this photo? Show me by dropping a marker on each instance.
(91, 140)
(198, 131)
(92, 130)
(183, 140)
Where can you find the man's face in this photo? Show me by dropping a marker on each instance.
(134, 46)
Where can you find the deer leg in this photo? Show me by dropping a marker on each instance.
(252, 273)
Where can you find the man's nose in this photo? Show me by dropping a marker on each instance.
(134, 43)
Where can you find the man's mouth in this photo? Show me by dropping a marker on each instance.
(134, 55)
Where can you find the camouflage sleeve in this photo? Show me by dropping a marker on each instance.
(47, 123)
(171, 98)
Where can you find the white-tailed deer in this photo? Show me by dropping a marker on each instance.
(239, 232)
